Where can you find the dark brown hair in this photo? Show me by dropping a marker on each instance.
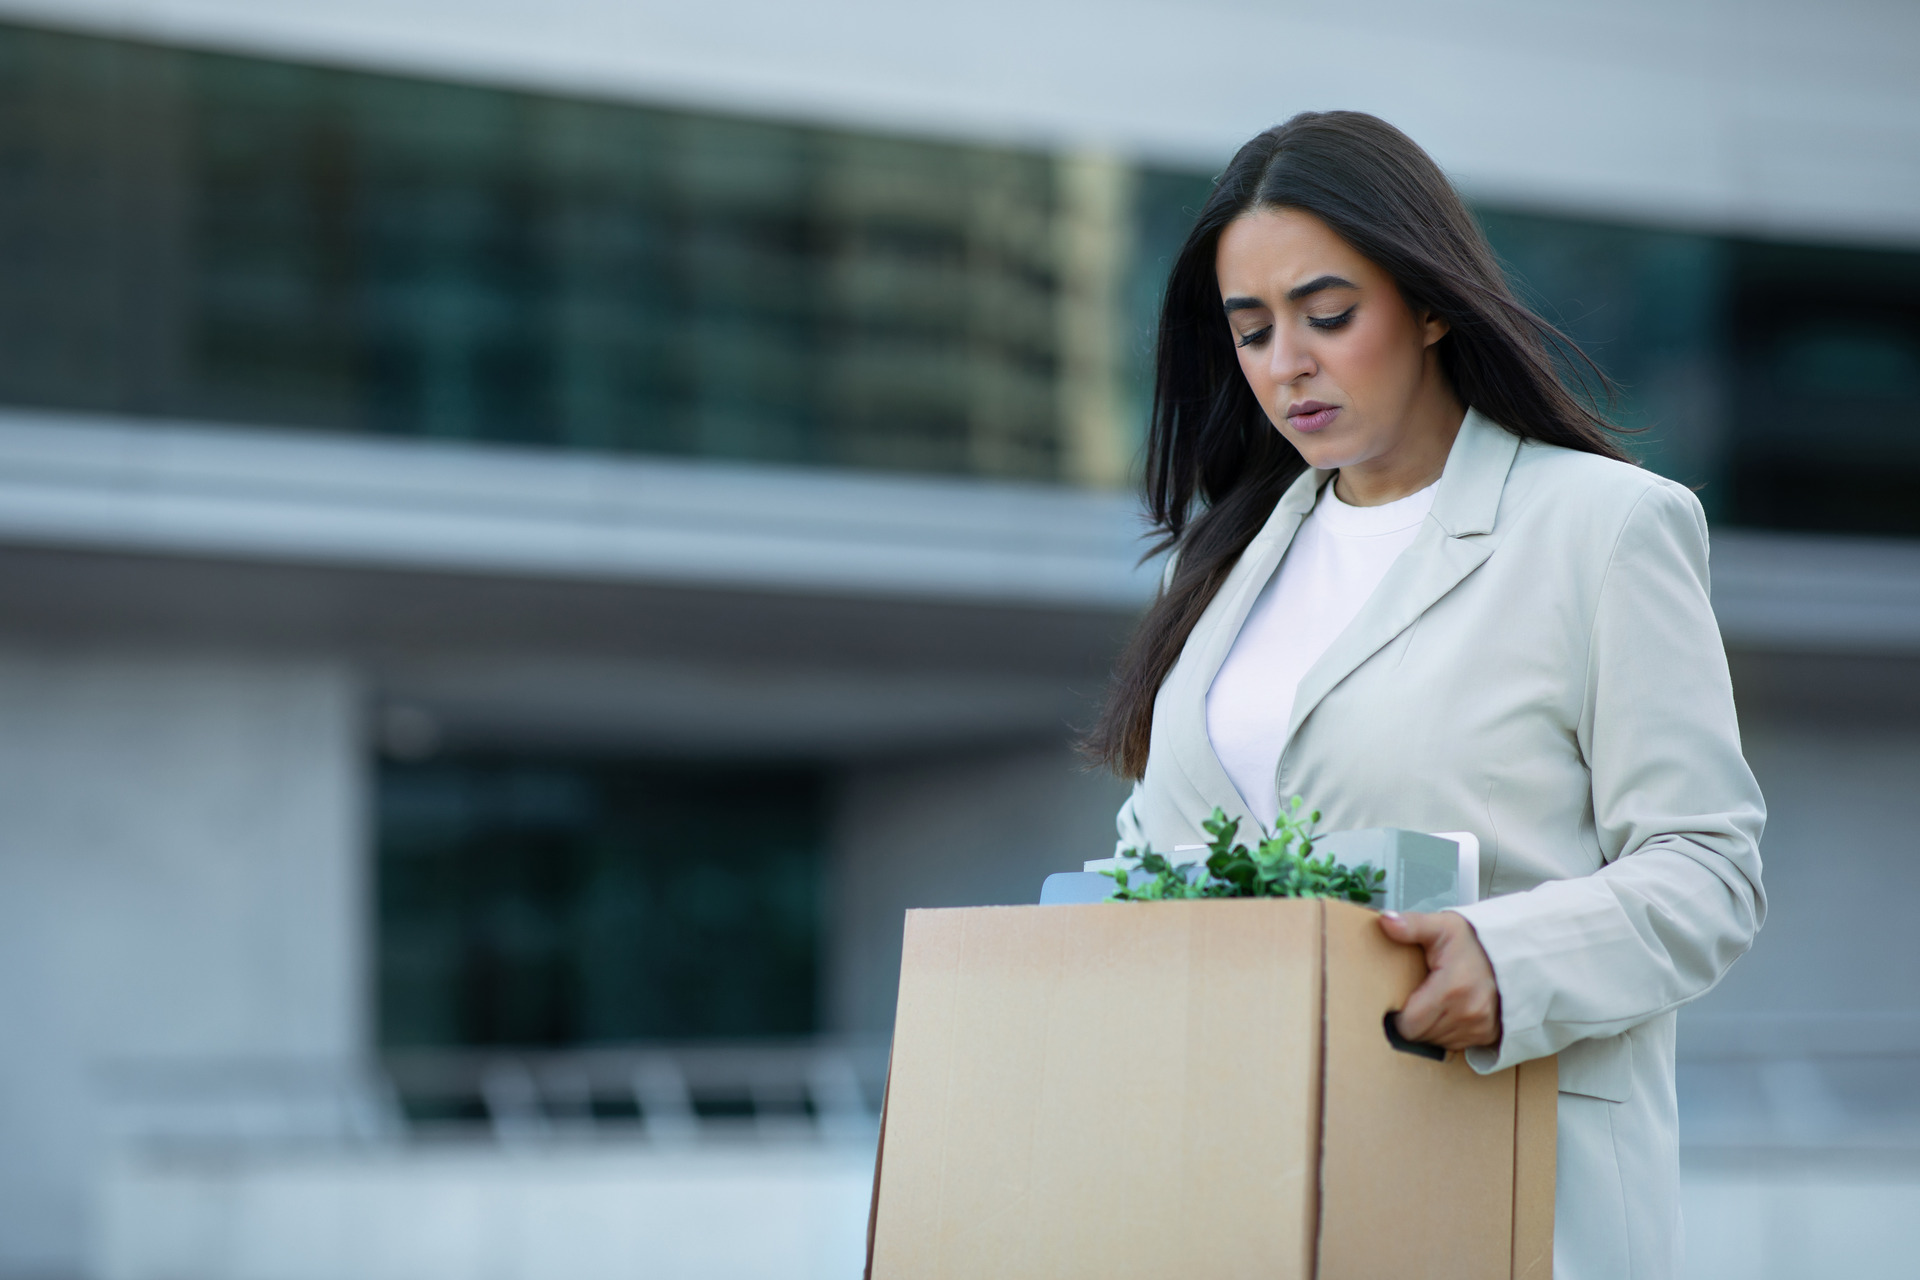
(1215, 464)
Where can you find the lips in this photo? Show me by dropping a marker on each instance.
(1311, 415)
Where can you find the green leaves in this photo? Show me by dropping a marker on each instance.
(1278, 865)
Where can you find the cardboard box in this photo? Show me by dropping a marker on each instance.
(1179, 1089)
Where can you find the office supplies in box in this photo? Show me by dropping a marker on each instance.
(1424, 872)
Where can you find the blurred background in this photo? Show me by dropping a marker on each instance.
(531, 532)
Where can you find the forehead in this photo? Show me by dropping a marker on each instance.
(1274, 249)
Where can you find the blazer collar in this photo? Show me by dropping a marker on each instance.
(1449, 546)
(1184, 696)
(1455, 540)
(1468, 499)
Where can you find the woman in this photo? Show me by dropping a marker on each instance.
(1416, 581)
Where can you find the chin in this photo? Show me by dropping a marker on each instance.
(1326, 454)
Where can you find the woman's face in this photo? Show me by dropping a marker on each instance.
(1342, 365)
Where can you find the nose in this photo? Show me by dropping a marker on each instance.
(1287, 357)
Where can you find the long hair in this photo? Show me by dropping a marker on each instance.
(1215, 464)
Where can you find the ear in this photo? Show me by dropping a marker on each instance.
(1433, 327)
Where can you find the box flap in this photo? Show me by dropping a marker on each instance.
(1104, 1091)
(879, 1163)
(1536, 1133)
(1416, 1171)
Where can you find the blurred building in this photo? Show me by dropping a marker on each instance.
(530, 534)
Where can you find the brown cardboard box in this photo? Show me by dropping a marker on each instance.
(1192, 1089)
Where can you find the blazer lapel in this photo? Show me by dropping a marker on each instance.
(1207, 649)
(1451, 545)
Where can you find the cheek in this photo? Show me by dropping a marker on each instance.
(1252, 368)
(1259, 378)
(1377, 357)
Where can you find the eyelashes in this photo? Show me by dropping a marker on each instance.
(1323, 323)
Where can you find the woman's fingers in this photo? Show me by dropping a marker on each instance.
(1419, 927)
(1419, 1019)
(1458, 1006)
(1444, 1012)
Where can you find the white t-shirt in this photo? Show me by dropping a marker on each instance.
(1338, 556)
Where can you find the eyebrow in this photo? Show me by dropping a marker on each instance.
(1316, 285)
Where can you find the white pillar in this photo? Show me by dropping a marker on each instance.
(958, 830)
(181, 877)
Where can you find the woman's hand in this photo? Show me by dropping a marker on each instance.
(1458, 1006)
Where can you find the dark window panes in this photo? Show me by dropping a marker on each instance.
(1166, 203)
(200, 236)
(190, 235)
(1782, 381)
(1826, 399)
(556, 901)
(1648, 306)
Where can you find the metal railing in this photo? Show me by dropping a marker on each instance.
(667, 1094)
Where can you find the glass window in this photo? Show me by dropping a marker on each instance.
(1649, 307)
(1825, 392)
(246, 240)
(1782, 381)
(240, 239)
(529, 900)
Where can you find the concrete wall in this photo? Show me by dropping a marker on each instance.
(1835, 744)
(1800, 1137)
(949, 831)
(180, 874)
(577, 1213)
(1842, 871)
(459, 1213)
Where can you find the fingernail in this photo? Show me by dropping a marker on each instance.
(1391, 915)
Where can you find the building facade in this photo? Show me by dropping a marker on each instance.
(529, 537)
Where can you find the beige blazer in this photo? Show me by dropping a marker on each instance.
(1542, 668)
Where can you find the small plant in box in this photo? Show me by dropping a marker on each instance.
(1278, 865)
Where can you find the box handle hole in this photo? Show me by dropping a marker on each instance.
(1414, 1047)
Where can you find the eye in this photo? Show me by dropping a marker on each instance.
(1332, 322)
(1253, 337)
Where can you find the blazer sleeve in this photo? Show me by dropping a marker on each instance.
(1677, 811)
(1127, 822)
